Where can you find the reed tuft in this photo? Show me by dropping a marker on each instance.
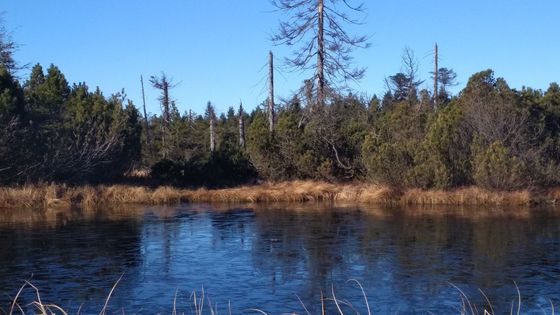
(65, 196)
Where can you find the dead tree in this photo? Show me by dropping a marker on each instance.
(270, 92)
(241, 127)
(316, 27)
(410, 66)
(320, 52)
(164, 84)
(191, 119)
(146, 123)
(436, 75)
(211, 115)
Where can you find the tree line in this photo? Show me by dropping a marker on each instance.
(52, 131)
(488, 135)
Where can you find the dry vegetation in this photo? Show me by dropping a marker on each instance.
(55, 196)
(201, 304)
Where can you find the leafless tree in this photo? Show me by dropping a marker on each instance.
(164, 84)
(93, 148)
(436, 74)
(410, 66)
(241, 126)
(270, 92)
(211, 116)
(146, 123)
(404, 85)
(83, 152)
(317, 28)
(497, 116)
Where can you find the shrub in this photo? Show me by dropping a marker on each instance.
(443, 159)
(495, 168)
(387, 163)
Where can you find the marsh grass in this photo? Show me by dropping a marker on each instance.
(64, 196)
(202, 304)
(467, 307)
(41, 308)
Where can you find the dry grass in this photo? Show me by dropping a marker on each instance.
(139, 173)
(201, 304)
(27, 196)
(553, 196)
(466, 196)
(63, 196)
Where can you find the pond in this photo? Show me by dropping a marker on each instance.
(282, 258)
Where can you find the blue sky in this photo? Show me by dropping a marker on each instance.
(217, 50)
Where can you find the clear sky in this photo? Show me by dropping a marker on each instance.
(217, 50)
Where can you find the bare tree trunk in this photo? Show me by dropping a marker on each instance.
(315, 29)
(320, 55)
(163, 84)
(163, 145)
(270, 92)
(211, 116)
(165, 126)
(436, 75)
(241, 127)
(146, 124)
(212, 139)
(165, 102)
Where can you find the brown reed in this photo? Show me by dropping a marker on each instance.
(64, 196)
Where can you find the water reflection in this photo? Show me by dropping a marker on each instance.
(66, 251)
(264, 256)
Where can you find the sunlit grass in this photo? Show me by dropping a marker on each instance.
(60, 196)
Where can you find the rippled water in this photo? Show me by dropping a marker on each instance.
(407, 259)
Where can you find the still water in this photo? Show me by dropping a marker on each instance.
(408, 260)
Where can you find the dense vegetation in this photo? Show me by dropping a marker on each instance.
(55, 132)
(488, 135)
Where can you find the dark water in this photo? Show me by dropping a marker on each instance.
(407, 260)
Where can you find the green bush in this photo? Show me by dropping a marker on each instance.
(386, 163)
(443, 158)
(495, 168)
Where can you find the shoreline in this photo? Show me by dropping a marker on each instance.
(61, 195)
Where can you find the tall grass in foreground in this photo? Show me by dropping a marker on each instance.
(55, 195)
(201, 304)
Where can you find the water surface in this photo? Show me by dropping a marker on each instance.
(408, 260)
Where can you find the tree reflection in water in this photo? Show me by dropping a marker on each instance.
(74, 254)
(263, 256)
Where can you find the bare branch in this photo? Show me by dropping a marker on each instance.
(316, 27)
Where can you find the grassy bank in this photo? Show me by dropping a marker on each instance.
(53, 195)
